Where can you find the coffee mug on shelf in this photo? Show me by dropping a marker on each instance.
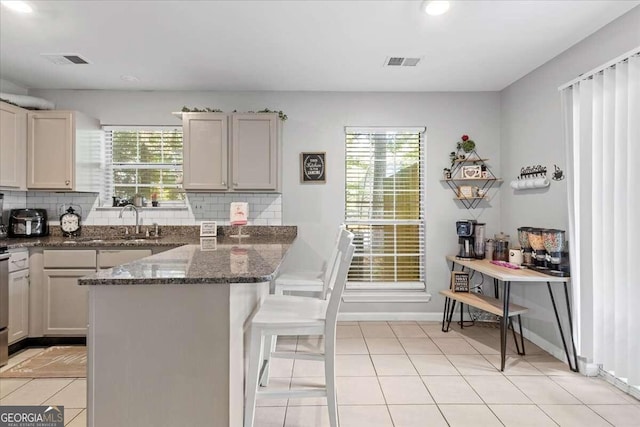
(515, 256)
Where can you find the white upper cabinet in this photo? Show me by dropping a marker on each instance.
(13, 147)
(254, 150)
(205, 151)
(231, 152)
(64, 152)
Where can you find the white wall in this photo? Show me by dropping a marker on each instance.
(316, 123)
(531, 134)
(9, 87)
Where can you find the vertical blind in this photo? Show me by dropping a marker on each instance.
(601, 123)
(385, 204)
(144, 160)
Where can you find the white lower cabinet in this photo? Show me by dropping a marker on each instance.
(65, 302)
(18, 305)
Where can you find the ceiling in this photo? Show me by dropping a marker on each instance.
(291, 45)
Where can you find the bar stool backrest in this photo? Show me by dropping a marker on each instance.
(345, 237)
(337, 289)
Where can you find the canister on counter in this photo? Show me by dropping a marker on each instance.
(488, 249)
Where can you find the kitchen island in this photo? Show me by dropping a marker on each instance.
(166, 333)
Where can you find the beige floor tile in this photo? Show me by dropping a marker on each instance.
(9, 385)
(484, 344)
(497, 390)
(405, 391)
(376, 330)
(451, 390)
(286, 343)
(307, 368)
(79, 420)
(73, 396)
(522, 416)
(359, 391)
(514, 365)
(307, 416)
(275, 384)
(354, 365)
(469, 416)
(395, 364)
(433, 364)
(348, 331)
(593, 391)
(419, 346)
(308, 382)
(474, 331)
(470, 364)
(269, 417)
(351, 346)
(574, 416)
(310, 344)
(35, 392)
(384, 346)
(416, 416)
(530, 348)
(619, 415)
(364, 416)
(541, 390)
(434, 330)
(549, 365)
(70, 414)
(408, 330)
(280, 368)
(454, 346)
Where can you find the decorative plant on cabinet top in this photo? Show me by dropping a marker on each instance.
(469, 177)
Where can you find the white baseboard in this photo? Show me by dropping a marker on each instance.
(618, 383)
(390, 316)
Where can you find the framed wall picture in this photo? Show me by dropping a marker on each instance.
(208, 228)
(471, 172)
(313, 167)
(459, 281)
(465, 192)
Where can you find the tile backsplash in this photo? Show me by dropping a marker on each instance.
(264, 209)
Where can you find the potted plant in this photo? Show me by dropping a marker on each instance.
(453, 156)
(446, 172)
(467, 144)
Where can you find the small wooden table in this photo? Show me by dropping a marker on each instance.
(508, 275)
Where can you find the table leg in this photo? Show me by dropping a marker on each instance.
(495, 288)
(573, 367)
(447, 301)
(504, 324)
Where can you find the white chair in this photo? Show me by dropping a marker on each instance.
(292, 316)
(308, 281)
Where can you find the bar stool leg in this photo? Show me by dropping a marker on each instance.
(330, 380)
(251, 390)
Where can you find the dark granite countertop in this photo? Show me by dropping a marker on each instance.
(215, 260)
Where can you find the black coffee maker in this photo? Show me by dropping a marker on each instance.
(465, 230)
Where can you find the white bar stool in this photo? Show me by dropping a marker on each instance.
(292, 316)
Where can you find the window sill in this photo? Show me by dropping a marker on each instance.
(146, 208)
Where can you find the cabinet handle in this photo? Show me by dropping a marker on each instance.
(67, 182)
(235, 184)
(223, 183)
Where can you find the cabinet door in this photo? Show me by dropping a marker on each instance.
(50, 142)
(18, 305)
(255, 151)
(66, 304)
(13, 147)
(205, 151)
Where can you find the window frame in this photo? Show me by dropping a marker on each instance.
(420, 221)
(111, 167)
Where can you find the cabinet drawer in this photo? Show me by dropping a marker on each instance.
(70, 259)
(19, 260)
(111, 258)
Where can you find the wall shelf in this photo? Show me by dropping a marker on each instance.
(478, 185)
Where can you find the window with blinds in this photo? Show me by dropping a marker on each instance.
(145, 161)
(385, 204)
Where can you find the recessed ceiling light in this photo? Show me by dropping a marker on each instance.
(17, 6)
(435, 7)
(131, 79)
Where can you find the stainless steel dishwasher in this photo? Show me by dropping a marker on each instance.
(4, 305)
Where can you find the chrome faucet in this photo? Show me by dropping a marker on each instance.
(130, 206)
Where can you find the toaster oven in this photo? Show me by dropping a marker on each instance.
(28, 223)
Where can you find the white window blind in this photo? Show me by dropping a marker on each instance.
(146, 161)
(385, 204)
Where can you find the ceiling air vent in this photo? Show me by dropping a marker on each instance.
(399, 61)
(62, 59)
